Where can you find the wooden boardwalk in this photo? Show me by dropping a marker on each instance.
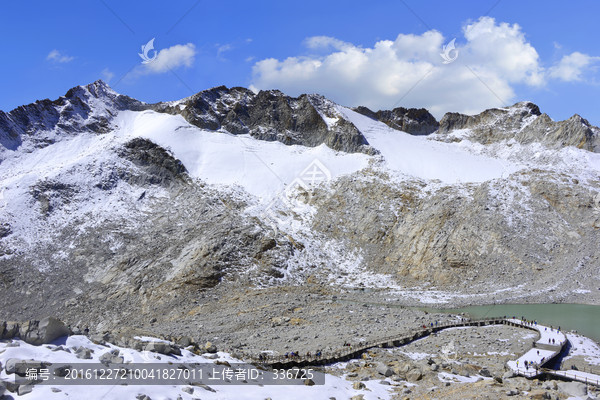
(355, 351)
(574, 375)
(352, 352)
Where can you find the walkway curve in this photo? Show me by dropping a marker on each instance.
(543, 352)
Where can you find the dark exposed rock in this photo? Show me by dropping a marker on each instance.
(111, 357)
(36, 332)
(269, 115)
(159, 166)
(498, 120)
(162, 348)
(416, 121)
(526, 124)
(52, 195)
(87, 108)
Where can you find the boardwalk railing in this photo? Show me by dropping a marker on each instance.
(354, 351)
(574, 375)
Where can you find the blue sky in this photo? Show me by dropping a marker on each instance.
(380, 54)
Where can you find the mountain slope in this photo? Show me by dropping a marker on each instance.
(132, 209)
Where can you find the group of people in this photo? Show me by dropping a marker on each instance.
(525, 321)
(295, 354)
(529, 364)
(292, 354)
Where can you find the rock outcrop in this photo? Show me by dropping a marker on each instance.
(416, 121)
(525, 123)
(34, 332)
(308, 120)
(89, 108)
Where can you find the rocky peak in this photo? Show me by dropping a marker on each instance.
(270, 115)
(416, 121)
(575, 131)
(87, 108)
(525, 123)
(498, 120)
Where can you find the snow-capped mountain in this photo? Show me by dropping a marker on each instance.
(110, 204)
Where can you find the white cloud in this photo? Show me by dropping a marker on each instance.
(325, 42)
(180, 55)
(107, 75)
(58, 57)
(492, 59)
(573, 66)
(223, 48)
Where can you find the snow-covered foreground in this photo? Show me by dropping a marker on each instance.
(334, 386)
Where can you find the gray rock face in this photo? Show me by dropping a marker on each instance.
(574, 131)
(448, 238)
(11, 365)
(166, 252)
(162, 348)
(20, 366)
(270, 115)
(384, 370)
(210, 348)
(36, 332)
(491, 124)
(416, 121)
(82, 109)
(10, 329)
(158, 166)
(414, 375)
(576, 389)
(24, 389)
(111, 357)
(526, 124)
(83, 352)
